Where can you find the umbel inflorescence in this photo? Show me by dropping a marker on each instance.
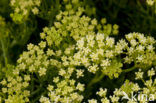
(75, 48)
(23, 8)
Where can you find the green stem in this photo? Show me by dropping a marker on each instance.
(36, 91)
(5, 52)
(96, 79)
(129, 69)
(37, 99)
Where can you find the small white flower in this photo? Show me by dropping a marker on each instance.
(139, 75)
(151, 72)
(133, 42)
(150, 2)
(62, 72)
(42, 71)
(80, 86)
(102, 92)
(140, 58)
(110, 41)
(150, 47)
(100, 37)
(105, 63)
(92, 101)
(80, 43)
(140, 48)
(79, 73)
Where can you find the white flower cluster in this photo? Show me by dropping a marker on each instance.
(65, 92)
(128, 88)
(15, 87)
(98, 52)
(68, 26)
(66, 88)
(141, 50)
(35, 60)
(22, 8)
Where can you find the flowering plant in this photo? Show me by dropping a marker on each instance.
(77, 58)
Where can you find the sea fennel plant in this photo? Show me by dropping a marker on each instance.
(71, 58)
(78, 58)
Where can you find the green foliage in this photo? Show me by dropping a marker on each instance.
(131, 15)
